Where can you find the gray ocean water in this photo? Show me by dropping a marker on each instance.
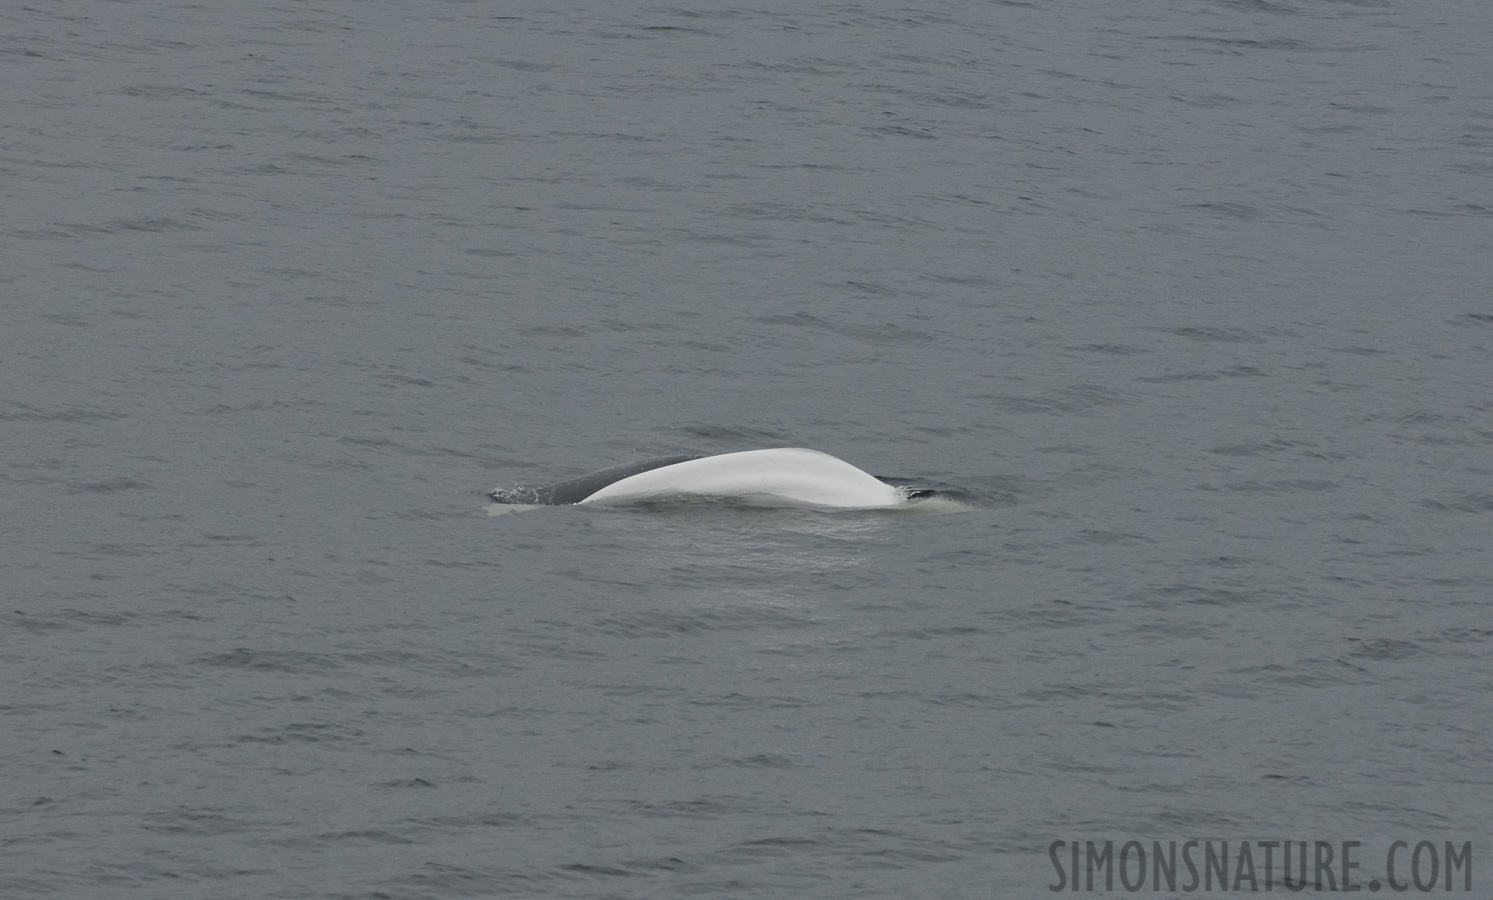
(1192, 298)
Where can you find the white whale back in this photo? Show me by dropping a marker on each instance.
(792, 474)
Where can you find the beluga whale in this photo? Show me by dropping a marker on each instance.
(783, 476)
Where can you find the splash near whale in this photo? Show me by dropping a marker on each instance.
(785, 476)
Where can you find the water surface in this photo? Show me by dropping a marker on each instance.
(1192, 297)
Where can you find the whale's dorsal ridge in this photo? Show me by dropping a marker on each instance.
(780, 476)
